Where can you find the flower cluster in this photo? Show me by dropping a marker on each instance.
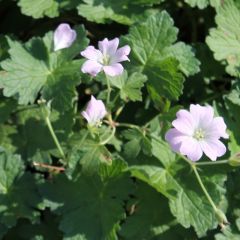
(197, 131)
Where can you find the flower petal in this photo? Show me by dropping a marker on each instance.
(217, 129)
(64, 36)
(203, 115)
(191, 148)
(95, 111)
(113, 70)
(108, 47)
(92, 53)
(85, 115)
(121, 54)
(91, 67)
(184, 123)
(213, 149)
(175, 139)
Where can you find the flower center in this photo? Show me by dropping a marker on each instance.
(106, 60)
(199, 134)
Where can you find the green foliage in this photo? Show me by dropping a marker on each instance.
(55, 78)
(130, 87)
(39, 8)
(62, 178)
(190, 207)
(13, 182)
(203, 3)
(155, 54)
(100, 209)
(223, 40)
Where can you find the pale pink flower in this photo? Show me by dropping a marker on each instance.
(107, 58)
(95, 111)
(64, 36)
(197, 131)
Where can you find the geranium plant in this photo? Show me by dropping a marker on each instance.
(119, 119)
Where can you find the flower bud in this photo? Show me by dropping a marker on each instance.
(222, 219)
(64, 36)
(94, 112)
(234, 160)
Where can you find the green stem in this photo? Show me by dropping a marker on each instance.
(104, 142)
(129, 125)
(203, 187)
(108, 90)
(55, 139)
(193, 166)
(118, 112)
(212, 163)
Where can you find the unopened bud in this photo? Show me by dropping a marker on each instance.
(45, 107)
(222, 219)
(235, 160)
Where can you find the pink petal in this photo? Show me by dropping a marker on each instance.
(113, 70)
(108, 47)
(217, 129)
(91, 67)
(203, 115)
(64, 36)
(92, 53)
(95, 111)
(175, 139)
(213, 149)
(121, 54)
(184, 122)
(85, 115)
(191, 148)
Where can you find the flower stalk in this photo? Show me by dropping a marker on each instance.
(46, 114)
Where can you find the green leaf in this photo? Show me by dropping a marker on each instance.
(46, 230)
(93, 208)
(39, 8)
(223, 40)
(203, 3)
(122, 11)
(130, 87)
(101, 11)
(186, 200)
(54, 75)
(232, 232)
(165, 79)
(137, 141)
(88, 153)
(149, 216)
(18, 193)
(153, 44)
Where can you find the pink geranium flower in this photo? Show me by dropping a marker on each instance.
(197, 131)
(107, 58)
(94, 112)
(64, 36)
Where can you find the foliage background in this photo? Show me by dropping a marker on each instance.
(134, 187)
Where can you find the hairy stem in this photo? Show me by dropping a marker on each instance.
(212, 163)
(55, 139)
(203, 187)
(109, 138)
(108, 90)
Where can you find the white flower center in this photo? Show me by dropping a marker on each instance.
(199, 134)
(106, 60)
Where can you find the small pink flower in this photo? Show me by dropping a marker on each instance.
(196, 132)
(64, 36)
(107, 58)
(94, 112)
